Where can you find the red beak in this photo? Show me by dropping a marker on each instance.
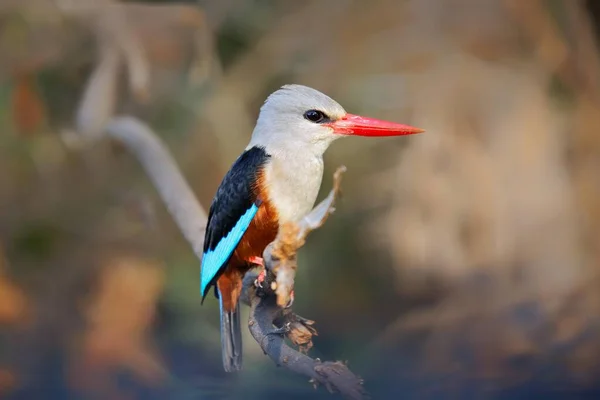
(362, 126)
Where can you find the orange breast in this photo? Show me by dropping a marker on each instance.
(262, 231)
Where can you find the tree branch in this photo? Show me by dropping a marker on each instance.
(269, 323)
(162, 170)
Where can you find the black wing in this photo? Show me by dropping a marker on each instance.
(231, 211)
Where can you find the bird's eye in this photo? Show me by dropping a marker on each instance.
(315, 116)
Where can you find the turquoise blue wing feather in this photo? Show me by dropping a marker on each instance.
(213, 260)
(234, 206)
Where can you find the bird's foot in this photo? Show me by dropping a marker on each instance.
(281, 331)
(289, 304)
(260, 279)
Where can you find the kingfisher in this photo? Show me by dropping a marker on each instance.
(274, 181)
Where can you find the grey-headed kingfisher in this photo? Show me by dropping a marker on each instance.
(275, 180)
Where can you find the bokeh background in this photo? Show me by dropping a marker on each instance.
(461, 263)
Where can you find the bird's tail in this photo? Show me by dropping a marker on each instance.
(231, 338)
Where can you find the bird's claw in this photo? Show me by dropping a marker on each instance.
(260, 279)
(291, 301)
(281, 331)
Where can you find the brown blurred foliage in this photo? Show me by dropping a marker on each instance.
(13, 302)
(13, 311)
(118, 317)
(26, 105)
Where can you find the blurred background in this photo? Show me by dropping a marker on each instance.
(461, 263)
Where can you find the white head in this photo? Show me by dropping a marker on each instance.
(298, 117)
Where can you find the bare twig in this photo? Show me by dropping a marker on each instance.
(317, 217)
(165, 175)
(99, 99)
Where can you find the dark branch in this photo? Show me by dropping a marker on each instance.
(269, 324)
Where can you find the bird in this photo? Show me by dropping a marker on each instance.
(274, 181)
